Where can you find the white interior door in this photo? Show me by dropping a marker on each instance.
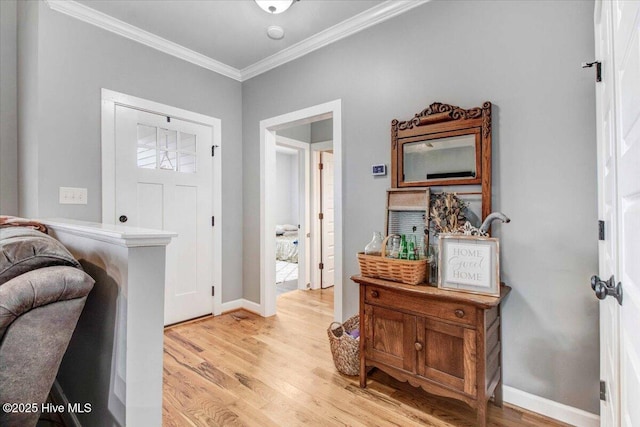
(626, 52)
(618, 119)
(328, 222)
(164, 181)
(609, 311)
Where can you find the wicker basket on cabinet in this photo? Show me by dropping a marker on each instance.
(410, 272)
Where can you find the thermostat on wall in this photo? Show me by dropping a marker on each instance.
(377, 170)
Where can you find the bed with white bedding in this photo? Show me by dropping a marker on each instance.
(287, 246)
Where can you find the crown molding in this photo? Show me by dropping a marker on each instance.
(357, 23)
(366, 19)
(109, 23)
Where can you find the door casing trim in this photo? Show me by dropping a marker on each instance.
(268, 127)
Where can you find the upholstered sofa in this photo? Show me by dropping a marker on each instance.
(43, 290)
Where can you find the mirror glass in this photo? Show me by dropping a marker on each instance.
(444, 158)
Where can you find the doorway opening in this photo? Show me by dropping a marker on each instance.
(292, 201)
(281, 131)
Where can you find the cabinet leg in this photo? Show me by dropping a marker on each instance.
(481, 420)
(363, 376)
(497, 394)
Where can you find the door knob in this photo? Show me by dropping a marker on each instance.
(123, 218)
(604, 289)
(418, 346)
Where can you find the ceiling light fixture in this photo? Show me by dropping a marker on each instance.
(274, 6)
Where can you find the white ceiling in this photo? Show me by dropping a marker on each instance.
(233, 32)
(229, 36)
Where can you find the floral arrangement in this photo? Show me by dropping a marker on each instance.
(447, 212)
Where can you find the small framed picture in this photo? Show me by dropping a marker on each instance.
(469, 264)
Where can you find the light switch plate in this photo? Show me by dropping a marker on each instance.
(73, 196)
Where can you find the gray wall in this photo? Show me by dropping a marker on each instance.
(312, 132)
(299, 133)
(322, 131)
(28, 107)
(74, 60)
(287, 188)
(524, 57)
(8, 108)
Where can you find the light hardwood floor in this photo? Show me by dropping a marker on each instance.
(240, 369)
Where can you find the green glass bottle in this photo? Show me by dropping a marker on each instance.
(404, 250)
(412, 248)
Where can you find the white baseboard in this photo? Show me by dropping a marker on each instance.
(240, 303)
(59, 398)
(231, 305)
(251, 306)
(550, 408)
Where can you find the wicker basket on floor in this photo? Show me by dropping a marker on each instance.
(344, 348)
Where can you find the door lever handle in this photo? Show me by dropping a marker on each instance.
(604, 289)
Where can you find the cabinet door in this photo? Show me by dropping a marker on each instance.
(390, 337)
(448, 354)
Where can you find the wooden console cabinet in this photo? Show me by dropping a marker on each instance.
(448, 343)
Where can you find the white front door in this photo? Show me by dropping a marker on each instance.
(328, 222)
(618, 117)
(164, 181)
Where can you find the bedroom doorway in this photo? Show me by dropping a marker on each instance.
(271, 131)
(292, 207)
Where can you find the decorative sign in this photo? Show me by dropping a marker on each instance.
(469, 264)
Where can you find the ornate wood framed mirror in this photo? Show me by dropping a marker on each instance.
(444, 145)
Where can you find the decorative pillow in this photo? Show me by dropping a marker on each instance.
(24, 249)
(279, 230)
(290, 227)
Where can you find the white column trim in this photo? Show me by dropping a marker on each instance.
(130, 261)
